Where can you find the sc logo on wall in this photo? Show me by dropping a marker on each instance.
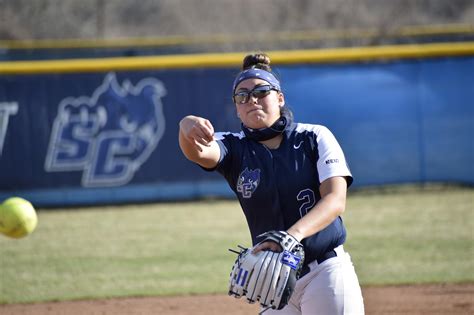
(7, 109)
(109, 135)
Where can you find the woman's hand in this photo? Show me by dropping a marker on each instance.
(276, 241)
(197, 131)
(271, 246)
(196, 139)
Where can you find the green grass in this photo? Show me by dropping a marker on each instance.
(412, 236)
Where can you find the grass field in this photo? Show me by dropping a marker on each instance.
(398, 236)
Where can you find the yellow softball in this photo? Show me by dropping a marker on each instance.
(17, 217)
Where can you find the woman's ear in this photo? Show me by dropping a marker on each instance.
(281, 99)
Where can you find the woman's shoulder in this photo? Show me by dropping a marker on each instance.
(221, 135)
(311, 128)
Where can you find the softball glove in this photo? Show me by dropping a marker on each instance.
(267, 277)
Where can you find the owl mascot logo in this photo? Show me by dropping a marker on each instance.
(109, 135)
(248, 182)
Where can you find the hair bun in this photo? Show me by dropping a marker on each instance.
(258, 60)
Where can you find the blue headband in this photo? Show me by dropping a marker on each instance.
(257, 74)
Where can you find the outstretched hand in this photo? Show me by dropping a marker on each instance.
(197, 130)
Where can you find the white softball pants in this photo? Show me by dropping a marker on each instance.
(330, 288)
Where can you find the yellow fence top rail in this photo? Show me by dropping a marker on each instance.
(213, 60)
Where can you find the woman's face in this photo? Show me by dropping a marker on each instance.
(261, 112)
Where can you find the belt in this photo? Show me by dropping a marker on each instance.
(326, 256)
(319, 260)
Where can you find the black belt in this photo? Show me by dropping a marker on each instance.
(319, 260)
(326, 256)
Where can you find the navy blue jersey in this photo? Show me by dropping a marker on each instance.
(276, 187)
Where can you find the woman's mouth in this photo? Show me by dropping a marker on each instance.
(254, 109)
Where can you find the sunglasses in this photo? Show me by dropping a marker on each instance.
(260, 91)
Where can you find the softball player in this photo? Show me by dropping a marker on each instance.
(287, 176)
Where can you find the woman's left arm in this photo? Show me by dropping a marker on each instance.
(332, 204)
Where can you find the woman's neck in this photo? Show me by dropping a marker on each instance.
(273, 143)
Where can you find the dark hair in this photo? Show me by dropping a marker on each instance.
(262, 61)
(258, 61)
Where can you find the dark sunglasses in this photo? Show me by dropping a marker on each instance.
(260, 91)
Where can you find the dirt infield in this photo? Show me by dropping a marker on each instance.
(423, 299)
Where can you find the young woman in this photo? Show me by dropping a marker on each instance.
(287, 176)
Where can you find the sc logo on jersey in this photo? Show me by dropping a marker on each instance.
(109, 135)
(248, 182)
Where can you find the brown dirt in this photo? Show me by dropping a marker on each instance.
(449, 299)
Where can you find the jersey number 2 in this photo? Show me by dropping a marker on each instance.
(309, 200)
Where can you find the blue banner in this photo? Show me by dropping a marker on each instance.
(89, 138)
(398, 122)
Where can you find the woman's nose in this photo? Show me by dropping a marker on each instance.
(252, 98)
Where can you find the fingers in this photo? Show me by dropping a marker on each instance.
(204, 132)
(201, 136)
(209, 129)
(198, 131)
(270, 246)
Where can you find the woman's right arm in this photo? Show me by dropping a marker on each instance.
(196, 139)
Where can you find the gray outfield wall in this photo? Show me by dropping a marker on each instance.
(100, 135)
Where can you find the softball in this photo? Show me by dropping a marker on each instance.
(17, 217)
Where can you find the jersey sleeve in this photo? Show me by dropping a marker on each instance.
(331, 161)
(224, 141)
